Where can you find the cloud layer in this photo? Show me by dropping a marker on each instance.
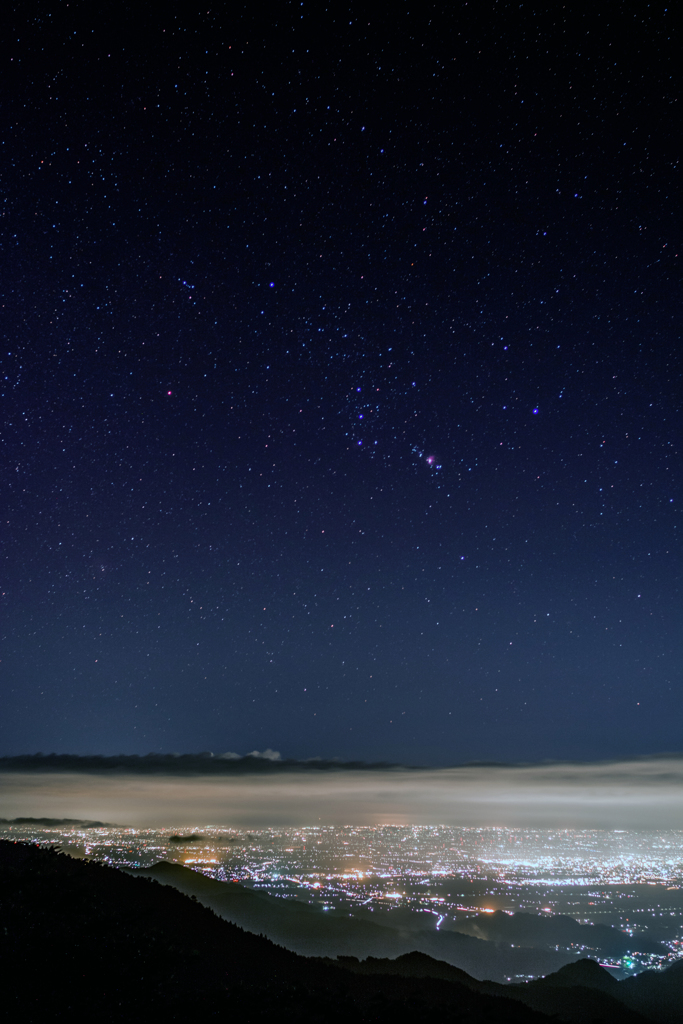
(645, 793)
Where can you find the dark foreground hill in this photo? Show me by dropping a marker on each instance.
(79, 938)
(580, 993)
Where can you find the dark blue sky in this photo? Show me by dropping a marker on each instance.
(341, 371)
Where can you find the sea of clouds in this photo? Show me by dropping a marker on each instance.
(630, 794)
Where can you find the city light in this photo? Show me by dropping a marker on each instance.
(629, 880)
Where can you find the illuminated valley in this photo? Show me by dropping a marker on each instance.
(436, 878)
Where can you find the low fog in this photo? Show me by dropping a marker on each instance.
(645, 793)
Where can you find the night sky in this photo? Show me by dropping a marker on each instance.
(341, 373)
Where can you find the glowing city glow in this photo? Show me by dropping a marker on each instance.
(630, 880)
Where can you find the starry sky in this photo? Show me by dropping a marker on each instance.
(341, 372)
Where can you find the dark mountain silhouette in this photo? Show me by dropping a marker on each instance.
(579, 993)
(56, 822)
(662, 991)
(307, 929)
(575, 987)
(575, 1004)
(582, 991)
(585, 973)
(182, 764)
(540, 930)
(79, 938)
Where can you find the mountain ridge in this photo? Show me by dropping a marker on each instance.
(139, 950)
(305, 929)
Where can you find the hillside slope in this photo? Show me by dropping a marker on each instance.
(306, 929)
(83, 940)
(79, 938)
